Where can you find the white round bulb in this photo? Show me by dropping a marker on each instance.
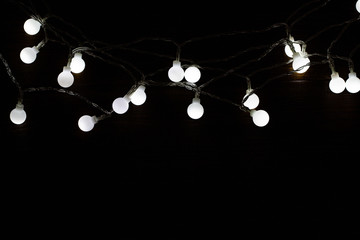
(176, 73)
(252, 101)
(260, 117)
(86, 123)
(352, 84)
(28, 54)
(289, 52)
(195, 110)
(139, 96)
(358, 6)
(337, 84)
(32, 26)
(77, 64)
(192, 74)
(18, 115)
(300, 62)
(121, 104)
(65, 78)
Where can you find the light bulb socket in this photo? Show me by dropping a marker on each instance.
(66, 69)
(141, 88)
(176, 63)
(196, 100)
(352, 74)
(252, 112)
(19, 106)
(334, 75)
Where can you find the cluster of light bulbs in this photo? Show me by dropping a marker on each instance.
(176, 73)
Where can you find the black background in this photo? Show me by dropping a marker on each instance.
(154, 172)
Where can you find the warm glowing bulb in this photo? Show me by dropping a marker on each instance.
(18, 115)
(252, 101)
(195, 110)
(77, 64)
(65, 78)
(28, 54)
(289, 52)
(139, 96)
(121, 104)
(300, 62)
(192, 74)
(337, 84)
(358, 6)
(32, 26)
(176, 73)
(260, 117)
(86, 123)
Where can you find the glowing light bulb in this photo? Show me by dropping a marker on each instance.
(121, 104)
(260, 117)
(252, 101)
(289, 52)
(195, 110)
(176, 73)
(300, 60)
(18, 115)
(192, 74)
(358, 6)
(32, 26)
(65, 78)
(337, 84)
(352, 84)
(77, 64)
(86, 123)
(139, 96)
(28, 54)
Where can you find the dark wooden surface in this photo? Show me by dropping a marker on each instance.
(220, 175)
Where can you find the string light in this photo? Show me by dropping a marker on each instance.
(18, 114)
(300, 62)
(195, 110)
(77, 64)
(32, 26)
(65, 78)
(260, 117)
(336, 84)
(297, 47)
(139, 96)
(252, 100)
(86, 123)
(352, 84)
(176, 72)
(294, 49)
(192, 74)
(121, 104)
